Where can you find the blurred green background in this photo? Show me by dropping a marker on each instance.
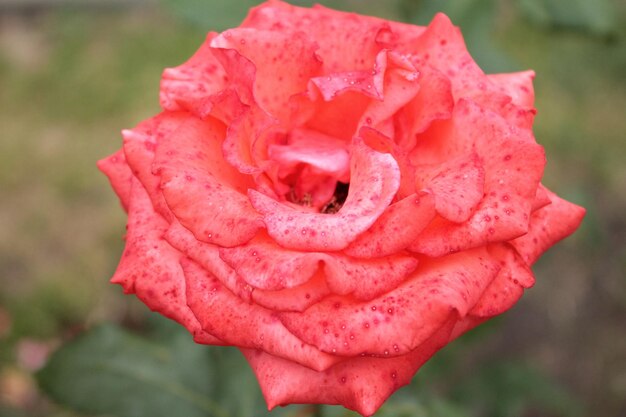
(73, 73)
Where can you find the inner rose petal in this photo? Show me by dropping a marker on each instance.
(375, 179)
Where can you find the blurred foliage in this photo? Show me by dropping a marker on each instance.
(70, 80)
(162, 372)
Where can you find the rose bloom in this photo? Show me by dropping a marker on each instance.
(338, 196)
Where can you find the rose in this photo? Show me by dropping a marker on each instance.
(337, 195)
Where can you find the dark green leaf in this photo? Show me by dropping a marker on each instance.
(110, 371)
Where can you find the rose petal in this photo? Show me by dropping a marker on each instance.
(242, 134)
(402, 319)
(513, 168)
(517, 85)
(507, 287)
(398, 226)
(542, 198)
(267, 266)
(432, 102)
(207, 256)
(295, 298)
(283, 63)
(327, 154)
(361, 383)
(548, 225)
(263, 264)
(140, 145)
(201, 76)
(239, 323)
(366, 279)
(201, 189)
(347, 41)
(442, 46)
(150, 266)
(373, 183)
(457, 185)
(119, 174)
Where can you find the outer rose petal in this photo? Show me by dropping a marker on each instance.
(374, 181)
(119, 174)
(360, 383)
(295, 298)
(548, 225)
(220, 312)
(149, 266)
(202, 191)
(399, 321)
(207, 256)
(347, 41)
(507, 287)
(184, 86)
(513, 166)
(140, 145)
(263, 264)
(517, 85)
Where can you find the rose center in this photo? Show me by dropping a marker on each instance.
(338, 198)
(311, 170)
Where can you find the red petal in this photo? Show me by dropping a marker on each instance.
(140, 144)
(267, 266)
(239, 323)
(359, 383)
(542, 198)
(208, 257)
(517, 85)
(263, 264)
(513, 168)
(283, 63)
(399, 321)
(119, 174)
(201, 189)
(442, 47)
(325, 153)
(366, 279)
(150, 266)
(347, 41)
(296, 298)
(507, 287)
(201, 76)
(373, 183)
(457, 185)
(432, 102)
(548, 225)
(398, 226)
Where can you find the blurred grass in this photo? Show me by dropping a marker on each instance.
(70, 80)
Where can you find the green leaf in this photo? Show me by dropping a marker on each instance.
(110, 371)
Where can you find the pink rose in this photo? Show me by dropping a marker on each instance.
(339, 196)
